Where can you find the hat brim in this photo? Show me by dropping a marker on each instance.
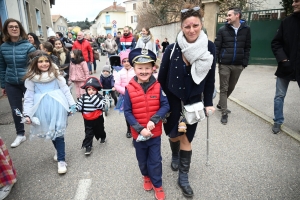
(141, 59)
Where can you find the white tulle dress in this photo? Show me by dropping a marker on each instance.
(49, 100)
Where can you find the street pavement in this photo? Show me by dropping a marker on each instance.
(246, 160)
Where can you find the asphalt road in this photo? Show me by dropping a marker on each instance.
(247, 161)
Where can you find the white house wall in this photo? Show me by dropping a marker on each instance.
(271, 4)
(130, 12)
(15, 9)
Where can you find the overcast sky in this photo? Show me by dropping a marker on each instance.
(79, 10)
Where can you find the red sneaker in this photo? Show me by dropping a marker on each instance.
(147, 183)
(159, 193)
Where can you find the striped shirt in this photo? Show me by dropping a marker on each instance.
(88, 103)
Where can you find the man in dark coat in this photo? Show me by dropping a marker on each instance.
(286, 48)
(233, 44)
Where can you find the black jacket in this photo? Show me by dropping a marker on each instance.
(286, 45)
(175, 84)
(232, 49)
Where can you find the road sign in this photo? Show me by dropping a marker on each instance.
(114, 26)
(114, 22)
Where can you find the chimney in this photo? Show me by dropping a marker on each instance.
(115, 5)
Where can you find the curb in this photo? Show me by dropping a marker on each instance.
(268, 119)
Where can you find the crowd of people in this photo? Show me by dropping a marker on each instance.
(150, 101)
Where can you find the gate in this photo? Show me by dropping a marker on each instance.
(264, 25)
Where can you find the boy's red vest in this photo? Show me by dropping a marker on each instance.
(144, 106)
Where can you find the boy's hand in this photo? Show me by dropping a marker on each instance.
(28, 120)
(150, 125)
(113, 89)
(145, 132)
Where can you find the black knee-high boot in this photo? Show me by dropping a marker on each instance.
(184, 167)
(175, 147)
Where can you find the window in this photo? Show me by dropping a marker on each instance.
(134, 19)
(107, 19)
(38, 17)
(144, 4)
(39, 21)
(134, 6)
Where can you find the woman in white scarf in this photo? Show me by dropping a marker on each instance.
(187, 76)
(110, 45)
(146, 41)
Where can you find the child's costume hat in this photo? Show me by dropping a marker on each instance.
(141, 56)
(92, 82)
(50, 32)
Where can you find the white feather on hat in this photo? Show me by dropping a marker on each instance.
(50, 32)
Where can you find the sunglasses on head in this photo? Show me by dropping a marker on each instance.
(188, 10)
(124, 61)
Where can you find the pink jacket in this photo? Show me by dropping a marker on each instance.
(122, 79)
(78, 72)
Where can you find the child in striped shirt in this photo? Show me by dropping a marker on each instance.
(91, 105)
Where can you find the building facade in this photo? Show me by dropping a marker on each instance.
(131, 7)
(59, 24)
(110, 20)
(33, 14)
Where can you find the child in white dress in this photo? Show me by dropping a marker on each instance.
(48, 98)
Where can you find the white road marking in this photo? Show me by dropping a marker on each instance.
(82, 189)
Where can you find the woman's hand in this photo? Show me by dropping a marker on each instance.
(210, 110)
(3, 92)
(113, 89)
(150, 125)
(146, 132)
(28, 120)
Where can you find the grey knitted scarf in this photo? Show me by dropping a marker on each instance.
(146, 38)
(197, 55)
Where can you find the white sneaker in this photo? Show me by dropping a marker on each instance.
(4, 191)
(55, 157)
(62, 167)
(19, 139)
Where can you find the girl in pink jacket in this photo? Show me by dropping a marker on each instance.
(121, 80)
(79, 71)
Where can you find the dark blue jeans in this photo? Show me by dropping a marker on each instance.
(148, 154)
(89, 66)
(59, 144)
(15, 93)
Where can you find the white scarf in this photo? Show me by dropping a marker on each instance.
(197, 55)
(44, 77)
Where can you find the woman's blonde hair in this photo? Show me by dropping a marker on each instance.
(33, 65)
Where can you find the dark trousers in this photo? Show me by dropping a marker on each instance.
(148, 154)
(59, 144)
(93, 128)
(114, 96)
(95, 65)
(128, 126)
(15, 93)
(229, 76)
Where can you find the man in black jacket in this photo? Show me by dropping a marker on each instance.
(286, 48)
(233, 44)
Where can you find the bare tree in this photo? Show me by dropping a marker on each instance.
(160, 12)
(244, 5)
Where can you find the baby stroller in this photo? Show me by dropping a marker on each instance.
(103, 51)
(115, 64)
